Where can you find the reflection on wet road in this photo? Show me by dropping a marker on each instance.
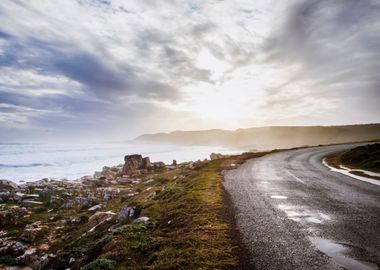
(294, 213)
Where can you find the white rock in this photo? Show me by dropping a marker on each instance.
(95, 208)
(141, 220)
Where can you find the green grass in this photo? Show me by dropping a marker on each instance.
(186, 233)
(100, 264)
(185, 230)
(365, 157)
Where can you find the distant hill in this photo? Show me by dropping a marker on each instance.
(269, 137)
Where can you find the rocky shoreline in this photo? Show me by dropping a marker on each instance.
(38, 218)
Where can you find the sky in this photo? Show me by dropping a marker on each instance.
(95, 70)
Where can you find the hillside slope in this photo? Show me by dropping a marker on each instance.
(269, 137)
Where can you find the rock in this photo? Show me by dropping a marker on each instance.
(149, 181)
(28, 203)
(99, 218)
(43, 261)
(135, 165)
(110, 173)
(6, 185)
(146, 163)
(75, 221)
(141, 220)
(158, 165)
(214, 156)
(56, 201)
(12, 248)
(17, 247)
(174, 162)
(108, 193)
(131, 194)
(46, 193)
(99, 180)
(123, 180)
(132, 164)
(95, 208)
(30, 197)
(6, 197)
(26, 258)
(126, 212)
(12, 215)
(68, 205)
(30, 232)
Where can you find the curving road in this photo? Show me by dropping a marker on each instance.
(292, 212)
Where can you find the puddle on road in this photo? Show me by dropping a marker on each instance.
(336, 252)
(308, 216)
(299, 215)
(279, 197)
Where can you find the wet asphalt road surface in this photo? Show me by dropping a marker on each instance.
(292, 212)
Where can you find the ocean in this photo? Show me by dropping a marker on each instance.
(31, 162)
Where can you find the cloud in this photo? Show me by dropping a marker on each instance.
(331, 48)
(75, 63)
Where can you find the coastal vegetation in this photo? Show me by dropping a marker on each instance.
(362, 160)
(164, 217)
(365, 157)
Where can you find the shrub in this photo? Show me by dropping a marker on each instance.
(100, 264)
(7, 260)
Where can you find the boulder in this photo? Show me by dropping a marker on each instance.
(6, 185)
(27, 257)
(43, 261)
(28, 203)
(99, 218)
(132, 164)
(68, 205)
(97, 180)
(56, 201)
(158, 165)
(30, 197)
(12, 215)
(149, 181)
(123, 180)
(136, 165)
(146, 163)
(141, 220)
(214, 156)
(12, 248)
(125, 213)
(30, 232)
(95, 208)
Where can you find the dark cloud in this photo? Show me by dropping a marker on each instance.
(4, 35)
(97, 74)
(92, 72)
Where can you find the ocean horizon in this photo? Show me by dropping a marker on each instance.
(33, 161)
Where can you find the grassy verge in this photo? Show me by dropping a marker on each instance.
(365, 157)
(186, 228)
(186, 231)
